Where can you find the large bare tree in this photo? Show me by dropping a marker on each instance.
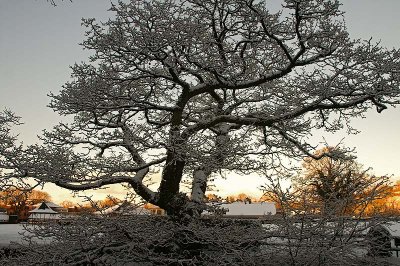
(190, 88)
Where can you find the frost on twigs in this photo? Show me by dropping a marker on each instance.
(141, 240)
(12, 155)
(189, 89)
(155, 240)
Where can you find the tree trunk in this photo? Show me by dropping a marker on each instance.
(169, 198)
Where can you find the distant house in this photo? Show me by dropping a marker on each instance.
(46, 211)
(247, 210)
(3, 216)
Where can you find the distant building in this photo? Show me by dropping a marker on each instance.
(247, 210)
(46, 211)
(3, 216)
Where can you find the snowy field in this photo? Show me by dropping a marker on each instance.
(10, 233)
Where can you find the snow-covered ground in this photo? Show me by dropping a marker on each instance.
(10, 233)
(13, 233)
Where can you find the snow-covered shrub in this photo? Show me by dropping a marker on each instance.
(154, 240)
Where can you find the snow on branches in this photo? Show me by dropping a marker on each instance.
(189, 88)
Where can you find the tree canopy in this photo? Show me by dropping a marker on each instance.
(338, 186)
(190, 88)
(18, 197)
(17, 202)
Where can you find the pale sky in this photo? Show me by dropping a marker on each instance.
(38, 42)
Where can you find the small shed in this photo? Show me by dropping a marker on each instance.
(4, 218)
(43, 213)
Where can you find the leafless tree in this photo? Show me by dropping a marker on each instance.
(338, 185)
(306, 234)
(190, 88)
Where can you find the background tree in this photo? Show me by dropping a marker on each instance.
(18, 201)
(108, 202)
(387, 205)
(213, 198)
(230, 199)
(192, 88)
(37, 196)
(67, 204)
(328, 238)
(242, 197)
(338, 185)
(10, 153)
(20, 197)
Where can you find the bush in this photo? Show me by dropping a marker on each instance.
(154, 240)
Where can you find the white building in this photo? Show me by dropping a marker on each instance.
(247, 210)
(44, 212)
(3, 216)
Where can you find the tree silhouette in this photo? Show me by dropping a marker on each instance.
(190, 88)
(338, 185)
